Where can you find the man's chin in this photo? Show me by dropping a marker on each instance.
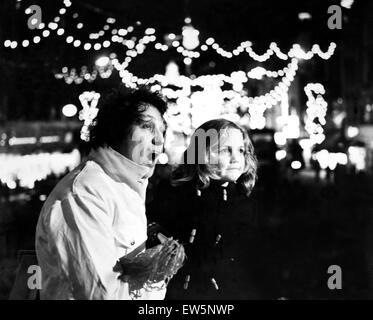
(150, 163)
(151, 170)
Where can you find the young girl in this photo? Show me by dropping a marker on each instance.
(208, 208)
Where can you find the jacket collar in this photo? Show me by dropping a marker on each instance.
(122, 169)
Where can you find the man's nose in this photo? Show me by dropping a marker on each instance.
(158, 138)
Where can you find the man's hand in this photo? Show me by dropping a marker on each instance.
(153, 265)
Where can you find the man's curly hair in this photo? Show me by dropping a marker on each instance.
(119, 111)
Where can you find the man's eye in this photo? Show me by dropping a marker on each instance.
(146, 125)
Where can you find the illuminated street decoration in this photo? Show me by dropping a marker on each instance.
(229, 100)
(69, 110)
(77, 77)
(330, 160)
(291, 127)
(25, 170)
(52, 25)
(99, 40)
(180, 88)
(206, 105)
(192, 107)
(256, 106)
(358, 157)
(304, 16)
(352, 132)
(347, 3)
(89, 101)
(236, 78)
(190, 37)
(316, 111)
(71, 75)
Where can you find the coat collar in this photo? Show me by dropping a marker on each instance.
(122, 169)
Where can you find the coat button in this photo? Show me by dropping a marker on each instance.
(132, 242)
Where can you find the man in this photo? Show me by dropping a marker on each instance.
(96, 214)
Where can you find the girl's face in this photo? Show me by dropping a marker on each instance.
(228, 158)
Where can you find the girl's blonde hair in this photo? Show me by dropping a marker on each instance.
(196, 167)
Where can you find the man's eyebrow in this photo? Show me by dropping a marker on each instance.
(149, 117)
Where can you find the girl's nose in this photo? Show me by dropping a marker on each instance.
(234, 156)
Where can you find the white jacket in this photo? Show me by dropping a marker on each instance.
(94, 216)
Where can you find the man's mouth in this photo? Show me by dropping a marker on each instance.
(154, 155)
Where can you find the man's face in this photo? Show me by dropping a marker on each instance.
(145, 144)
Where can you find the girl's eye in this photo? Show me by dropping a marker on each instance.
(242, 150)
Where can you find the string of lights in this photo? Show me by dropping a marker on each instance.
(236, 78)
(211, 84)
(71, 75)
(316, 111)
(45, 29)
(295, 52)
(103, 68)
(89, 101)
(189, 47)
(190, 40)
(53, 26)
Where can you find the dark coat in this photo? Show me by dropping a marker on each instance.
(227, 247)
